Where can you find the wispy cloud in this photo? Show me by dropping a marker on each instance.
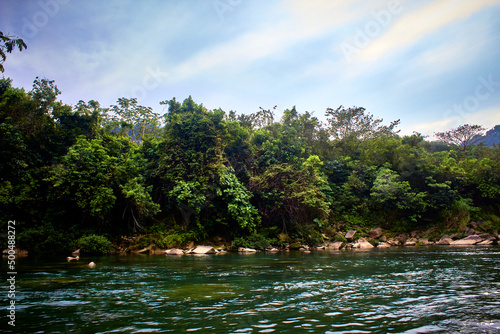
(412, 27)
(487, 118)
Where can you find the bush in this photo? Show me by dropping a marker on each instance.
(255, 241)
(44, 241)
(178, 239)
(339, 237)
(94, 245)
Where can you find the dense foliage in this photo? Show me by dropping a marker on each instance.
(69, 173)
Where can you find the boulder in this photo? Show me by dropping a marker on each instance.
(445, 241)
(411, 242)
(362, 244)
(487, 242)
(424, 242)
(470, 240)
(393, 242)
(246, 250)
(383, 245)
(350, 234)
(335, 245)
(203, 250)
(157, 251)
(469, 231)
(375, 233)
(174, 251)
(18, 252)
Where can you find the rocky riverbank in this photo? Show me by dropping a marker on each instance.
(359, 239)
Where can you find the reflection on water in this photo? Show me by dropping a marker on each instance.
(400, 290)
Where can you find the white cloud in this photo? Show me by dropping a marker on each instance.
(427, 20)
(487, 118)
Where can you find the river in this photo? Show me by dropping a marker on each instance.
(395, 290)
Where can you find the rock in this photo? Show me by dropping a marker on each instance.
(383, 238)
(383, 245)
(325, 236)
(487, 242)
(295, 245)
(424, 242)
(375, 233)
(411, 242)
(75, 253)
(174, 251)
(274, 250)
(157, 251)
(350, 234)
(335, 245)
(91, 265)
(246, 250)
(393, 242)
(414, 234)
(469, 231)
(17, 252)
(482, 226)
(474, 225)
(362, 244)
(470, 240)
(203, 250)
(445, 241)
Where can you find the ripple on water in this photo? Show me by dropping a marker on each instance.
(405, 291)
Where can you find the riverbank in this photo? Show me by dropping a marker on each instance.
(475, 233)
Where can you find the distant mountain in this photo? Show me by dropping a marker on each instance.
(492, 137)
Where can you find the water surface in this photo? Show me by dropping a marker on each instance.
(396, 290)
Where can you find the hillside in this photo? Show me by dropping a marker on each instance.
(492, 137)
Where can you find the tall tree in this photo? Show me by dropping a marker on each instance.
(463, 136)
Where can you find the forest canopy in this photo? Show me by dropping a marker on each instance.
(73, 171)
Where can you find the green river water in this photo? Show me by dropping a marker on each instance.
(395, 290)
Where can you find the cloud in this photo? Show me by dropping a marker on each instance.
(422, 22)
(303, 22)
(486, 118)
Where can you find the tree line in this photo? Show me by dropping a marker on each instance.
(71, 171)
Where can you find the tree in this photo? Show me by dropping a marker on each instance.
(7, 45)
(351, 126)
(139, 120)
(463, 136)
(354, 123)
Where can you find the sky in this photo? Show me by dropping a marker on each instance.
(434, 65)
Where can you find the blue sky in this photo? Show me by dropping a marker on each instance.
(433, 64)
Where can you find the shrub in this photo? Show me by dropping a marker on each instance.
(94, 245)
(255, 241)
(178, 239)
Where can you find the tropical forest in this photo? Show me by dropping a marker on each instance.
(84, 175)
